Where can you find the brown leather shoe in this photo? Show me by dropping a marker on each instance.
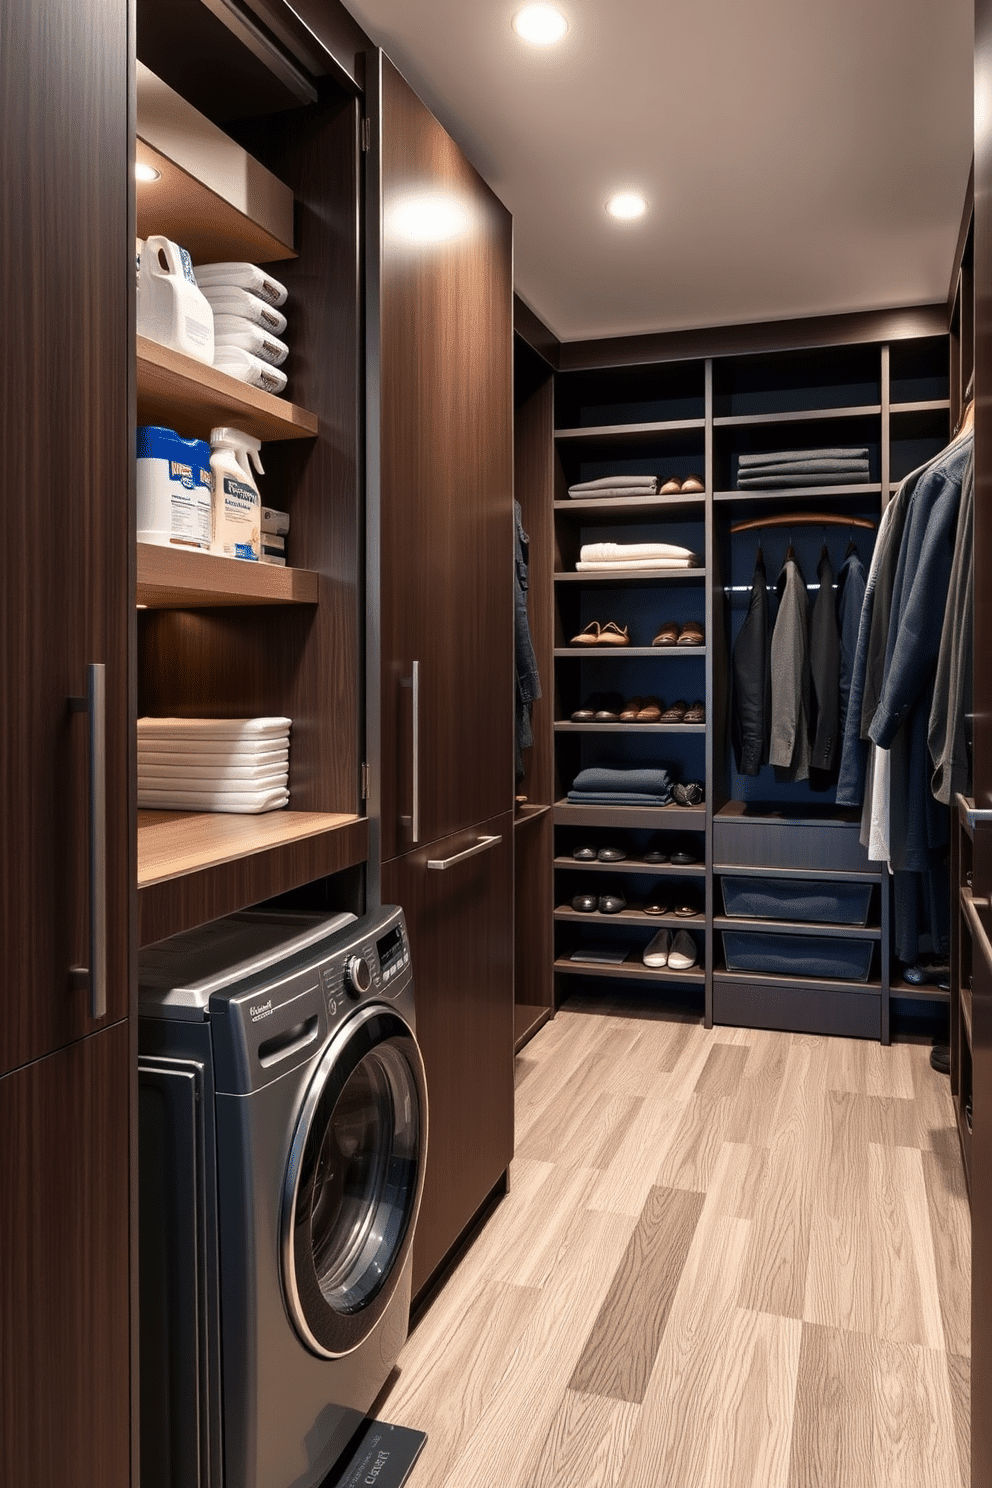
(587, 637)
(691, 634)
(668, 634)
(670, 488)
(611, 634)
(676, 713)
(631, 710)
(693, 483)
(650, 711)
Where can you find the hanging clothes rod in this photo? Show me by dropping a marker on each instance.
(803, 519)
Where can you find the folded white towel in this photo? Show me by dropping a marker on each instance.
(235, 330)
(196, 777)
(608, 552)
(632, 482)
(249, 803)
(638, 563)
(220, 761)
(227, 299)
(197, 730)
(243, 276)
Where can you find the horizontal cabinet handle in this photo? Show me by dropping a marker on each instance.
(483, 843)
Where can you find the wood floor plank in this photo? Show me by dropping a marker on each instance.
(500, 1449)
(865, 1068)
(751, 1118)
(959, 1381)
(723, 1071)
(525, 1248)
(671, 1440)
(950, 1228)
(913, 1441)
(751, 1426)
(737, 1184)
(630, 1174)
(620, 1352)
(549, 1095)
(695, 1144)
(832, 1431)
(586, 1443)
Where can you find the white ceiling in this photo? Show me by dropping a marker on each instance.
(800, 157)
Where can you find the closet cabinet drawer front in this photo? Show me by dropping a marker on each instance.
(743, 1003)
(786, 844)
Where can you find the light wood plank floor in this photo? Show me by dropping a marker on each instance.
(728, 1259)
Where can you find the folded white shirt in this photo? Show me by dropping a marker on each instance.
(219, 761)
(608, 552)
(197, 730)
(638, 563)
(198, 778)
(248, 802)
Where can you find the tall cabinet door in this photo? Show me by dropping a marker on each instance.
(442, 331)
(460, 921)
(68, 537)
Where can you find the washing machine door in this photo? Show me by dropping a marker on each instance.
(354, 1180)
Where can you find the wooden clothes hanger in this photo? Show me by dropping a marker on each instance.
(803, 519)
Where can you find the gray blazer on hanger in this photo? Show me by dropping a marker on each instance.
(789, 746)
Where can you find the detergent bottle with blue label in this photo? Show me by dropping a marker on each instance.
(174, 489)
(237, 505)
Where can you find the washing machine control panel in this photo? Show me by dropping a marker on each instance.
(378, 967)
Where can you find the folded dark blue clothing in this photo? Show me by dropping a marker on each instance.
(751, 482)
(617, 798)
(775, 457)
(645, 779)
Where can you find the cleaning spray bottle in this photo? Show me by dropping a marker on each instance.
(237, 505)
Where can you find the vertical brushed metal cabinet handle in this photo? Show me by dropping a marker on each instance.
(94, 705)
(483, 843)
(413, 682)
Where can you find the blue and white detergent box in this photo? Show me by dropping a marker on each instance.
(175, 489)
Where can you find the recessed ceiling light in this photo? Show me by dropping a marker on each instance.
(144, 172)
(540, 25)
(626, 205)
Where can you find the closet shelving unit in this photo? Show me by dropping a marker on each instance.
(884, 386)
(219, 637)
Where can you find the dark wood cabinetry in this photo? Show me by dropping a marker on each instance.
(460, 921)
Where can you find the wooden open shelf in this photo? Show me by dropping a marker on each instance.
(614, 652)
(594, 918)
(192, 398)
(177, 578)
(196, 866)
(630, 576)
(797, 416)
(637, 508)
(595, 433)
(628, 970)
(802, 494)
(179, 206)
(658, 818)
(630, 728)
(633, 866)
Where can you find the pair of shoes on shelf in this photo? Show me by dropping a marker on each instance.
(683, 906)
(682, 712)
(641, 710)
(605, 903)
(610, 634)
(929, 974)
(688, 793)
(677, 952)
(678, 859)
(602, 854)
(674, 634)
(692, 483)
(599, 707)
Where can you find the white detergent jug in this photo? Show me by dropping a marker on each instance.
(237, 506)
(171, 309)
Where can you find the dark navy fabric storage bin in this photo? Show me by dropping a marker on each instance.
(806, 900)
(798, 955)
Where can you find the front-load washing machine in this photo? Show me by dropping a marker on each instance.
(283, 1135)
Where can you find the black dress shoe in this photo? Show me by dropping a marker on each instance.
(688, 793)
(683, 859)
(940, 1059)
(587, 712)
(929, 974)
(611, 903)
(584, 903)
(611, 854)
(584, 854)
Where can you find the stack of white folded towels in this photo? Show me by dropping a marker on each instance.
(213, 764)
(614, 485)
(247, 322)
(609, 557)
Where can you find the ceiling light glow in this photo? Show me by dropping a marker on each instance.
(540, 25)
(626, 205)
(144, 172)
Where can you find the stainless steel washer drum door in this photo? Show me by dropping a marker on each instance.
(354, 1180)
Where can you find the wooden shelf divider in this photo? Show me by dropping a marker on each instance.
(177, 578)
(178, 391)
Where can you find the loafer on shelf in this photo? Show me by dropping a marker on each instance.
(657, 950)
(611, 903)
(683, 953)
(587, 637)
(610, 708)
(612, 634)
(685, 907)
(585, 903)
(671, 487)
(587, 712)
(676, 712)
(631, 710)
(655, 855)
(688, 793)
(668, 634)
(611, 855)
(650, 711)
(692, 483)
(691, 634)
(696, 712)
(656, 906)
(584, 854)
(683, 859)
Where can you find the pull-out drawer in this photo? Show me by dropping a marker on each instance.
(744, 836)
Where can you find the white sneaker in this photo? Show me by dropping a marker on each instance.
(656, 951)
(683, 953)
